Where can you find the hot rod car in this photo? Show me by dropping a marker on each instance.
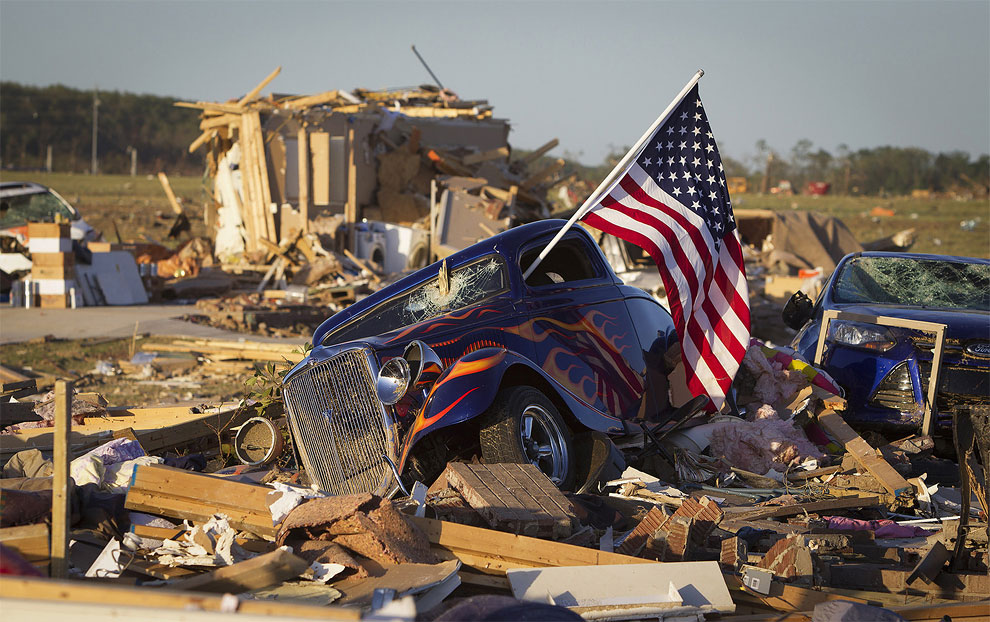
(466, 358)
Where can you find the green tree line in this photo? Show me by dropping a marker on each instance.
(33, 118)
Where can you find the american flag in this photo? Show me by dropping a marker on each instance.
(672, 201)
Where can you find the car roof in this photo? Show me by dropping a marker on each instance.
(17, 188)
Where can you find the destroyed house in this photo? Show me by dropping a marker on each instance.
(288, 165)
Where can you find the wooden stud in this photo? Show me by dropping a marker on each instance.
(351, 207)
(62, 455)
(865, 455)
(253, 93)
(303, 165)
(533, 156)
(172, 201)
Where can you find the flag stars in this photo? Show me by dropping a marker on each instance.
(695, 130)
(696, 162)
(683, 160)
(670, 130)
(677, 191)
(697, 103)
(709, 147)
(684, 115)
(711, 164)
(710, 135)
(670, 145)
(713, 195)
(673, 176)
(670, 161)
(686, 175)
(647, 162)
(692, 190)
(683, 145)
(696, 146)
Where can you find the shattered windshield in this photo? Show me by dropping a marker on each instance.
(20, 209)
(463, 287)
(934, 283)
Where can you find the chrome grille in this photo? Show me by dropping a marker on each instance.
(341, 428)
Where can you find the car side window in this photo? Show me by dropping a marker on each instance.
(570, 260)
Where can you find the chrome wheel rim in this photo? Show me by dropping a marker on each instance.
(543, 442)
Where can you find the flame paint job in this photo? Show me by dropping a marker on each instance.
(578, 338)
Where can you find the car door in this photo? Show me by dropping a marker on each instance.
(581, 332)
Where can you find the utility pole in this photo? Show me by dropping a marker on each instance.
(94, 165)
(766, 175)
(133, 153)
(48, 160)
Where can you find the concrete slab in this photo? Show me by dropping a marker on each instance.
(20, 324)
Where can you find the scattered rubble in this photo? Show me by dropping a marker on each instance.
(823, 520)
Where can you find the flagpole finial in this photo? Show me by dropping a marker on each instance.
(701, 72)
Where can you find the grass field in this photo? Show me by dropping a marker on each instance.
(139, 208)
(936, 221)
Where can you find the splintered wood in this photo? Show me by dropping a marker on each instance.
(513, 497)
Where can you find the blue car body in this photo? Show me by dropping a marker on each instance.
(592, 345)
(886, 380)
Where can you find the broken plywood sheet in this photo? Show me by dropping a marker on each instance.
(619, 591)
(116, 275)
(513, 497)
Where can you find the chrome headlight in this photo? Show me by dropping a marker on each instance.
(861, 335)
(393, 380)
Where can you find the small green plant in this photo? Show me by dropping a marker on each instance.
(265, 387)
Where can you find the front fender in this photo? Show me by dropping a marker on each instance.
(467, 389)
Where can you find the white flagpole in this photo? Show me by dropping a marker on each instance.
(610, 178)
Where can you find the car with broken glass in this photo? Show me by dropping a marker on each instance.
(885, 369)
(465, 359)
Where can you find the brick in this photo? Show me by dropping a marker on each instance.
(706, 516)
(679, 539)
(633, 543)
(789, 558)
(733, 553)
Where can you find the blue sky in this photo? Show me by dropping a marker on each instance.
(593, 74)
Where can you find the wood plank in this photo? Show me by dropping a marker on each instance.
(485, 156)
(302, 163)
(253, 93)
(351, 207)
(167, 187)
(800, 508)
(319, 150)
(309, 101)
(62, 456)
(865, 455)
(80, 592)
(252, 574)
(493, 551)
(535, 155)
(17, 412)
(215, 107)
(31, 542)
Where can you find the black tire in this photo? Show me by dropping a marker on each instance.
(522, 425)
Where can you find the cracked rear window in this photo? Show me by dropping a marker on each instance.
(913, 282)
(467, 285)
